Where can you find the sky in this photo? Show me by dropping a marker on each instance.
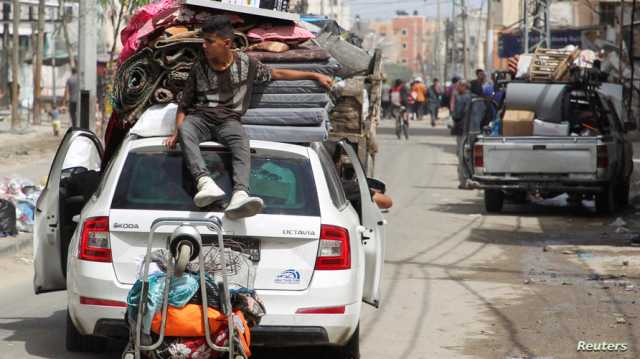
(386, 9)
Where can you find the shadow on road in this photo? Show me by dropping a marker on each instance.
(42, 342)
(419, 131)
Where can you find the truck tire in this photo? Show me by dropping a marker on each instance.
(606, 200)
(351, 350)
(76, 342)
(493, 200)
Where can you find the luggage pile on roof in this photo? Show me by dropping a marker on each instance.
(162, 41)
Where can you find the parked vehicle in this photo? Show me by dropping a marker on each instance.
(318, 256)
(590, 157)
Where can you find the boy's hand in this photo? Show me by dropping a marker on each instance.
(170, 142)
(325, 81)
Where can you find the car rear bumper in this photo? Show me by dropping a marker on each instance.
(281, 326)
(563, 185)
(261, 336)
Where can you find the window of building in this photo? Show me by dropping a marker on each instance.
(608, 13)
(404, 45)
(404, 61)
(404, 32)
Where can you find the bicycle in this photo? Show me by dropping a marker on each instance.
(402, 122)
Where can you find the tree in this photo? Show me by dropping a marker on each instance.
(37, 76)
(15, 63)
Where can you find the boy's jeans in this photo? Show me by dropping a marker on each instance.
(229, 133)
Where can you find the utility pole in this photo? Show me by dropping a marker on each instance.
(465, 41)
(4, 69)
(536, 22)
(488, 62)
(436, 48)
(87, 57)
(37, 76)
(15, 62)
(621, 42)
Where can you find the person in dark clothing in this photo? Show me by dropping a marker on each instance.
(71, 96)
(216, 95)
(462, 102)
(478, 84)
(433, 101)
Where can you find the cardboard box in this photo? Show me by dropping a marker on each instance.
(517, 123)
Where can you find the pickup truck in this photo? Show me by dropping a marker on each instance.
(592, 164)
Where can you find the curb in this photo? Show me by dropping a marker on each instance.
(8, 246)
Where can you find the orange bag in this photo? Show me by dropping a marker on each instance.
(187, 321)
(244, 333)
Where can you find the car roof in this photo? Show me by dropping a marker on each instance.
(137, 143)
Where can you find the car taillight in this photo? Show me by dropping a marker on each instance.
(94, 244)
(327, 310)
(334, 251)
(603, 156)
(478, 156)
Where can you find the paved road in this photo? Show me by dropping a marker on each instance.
(530, 283)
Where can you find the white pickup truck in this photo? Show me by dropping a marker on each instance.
(596, 163)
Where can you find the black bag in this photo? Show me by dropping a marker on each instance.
(8, 219)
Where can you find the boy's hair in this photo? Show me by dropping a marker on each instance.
(219, 25)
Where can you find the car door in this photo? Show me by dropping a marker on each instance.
(372, 234)
(79, 151)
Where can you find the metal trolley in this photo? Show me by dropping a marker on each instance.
(185, 245)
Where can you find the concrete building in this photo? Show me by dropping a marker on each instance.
(335, 9)
(409, 32)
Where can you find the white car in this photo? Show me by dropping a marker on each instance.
(318, 257)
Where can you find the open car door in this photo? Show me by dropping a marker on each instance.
(80, 152)
(372, 235)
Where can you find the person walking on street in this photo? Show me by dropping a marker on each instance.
(71, 97)
(386, 100)
(462, 102)
(419, 93)
(216, 94)
(433, 101)
(477, 85)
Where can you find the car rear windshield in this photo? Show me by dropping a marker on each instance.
(156, 179)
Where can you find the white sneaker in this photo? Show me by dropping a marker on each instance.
(242, 206)
(208, 192)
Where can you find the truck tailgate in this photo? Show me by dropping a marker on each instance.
(546, 155)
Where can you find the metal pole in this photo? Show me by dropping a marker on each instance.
(53, 59)
(37, 77)
(621, 42)
(465, 30)
(525, 31)
(488, 62)
(15, 63)
(436, 54)
(87, 57)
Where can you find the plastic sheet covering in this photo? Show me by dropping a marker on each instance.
(543, 99)
(7, 219)
(17, 205)
(354, 60)
(181, 291)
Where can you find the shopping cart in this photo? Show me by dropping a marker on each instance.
(184, 246)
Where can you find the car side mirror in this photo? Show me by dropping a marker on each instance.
(630, 126)
(377, 185)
